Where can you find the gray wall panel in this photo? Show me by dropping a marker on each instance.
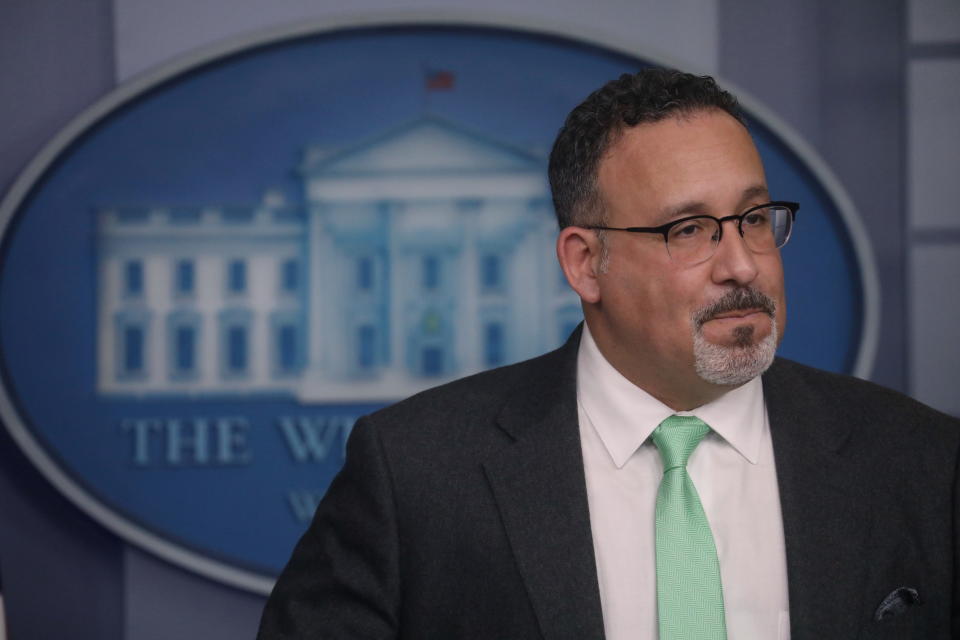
(934, 20)
(935, 311)
(765, 48)
(62, 573)
(834, 70)
(862, 52)
(163, 602)
(55, 59)
(933, 114)
(934, 151)
(150, 32)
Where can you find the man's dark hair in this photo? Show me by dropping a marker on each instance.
(596, 123)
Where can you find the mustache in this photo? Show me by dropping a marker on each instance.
(736, 300)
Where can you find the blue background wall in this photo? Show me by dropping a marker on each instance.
(872, 85)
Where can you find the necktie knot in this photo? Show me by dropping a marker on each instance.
(677, 437)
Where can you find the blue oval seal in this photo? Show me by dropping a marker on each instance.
(209, 275)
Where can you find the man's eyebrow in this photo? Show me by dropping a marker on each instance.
(756, 191)
(691, 208)
(697, 207)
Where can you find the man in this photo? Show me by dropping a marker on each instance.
(643, 481)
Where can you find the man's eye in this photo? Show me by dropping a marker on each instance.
(687, 230)
(755, 219)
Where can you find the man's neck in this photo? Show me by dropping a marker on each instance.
(679, 388)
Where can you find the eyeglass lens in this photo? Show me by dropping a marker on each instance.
(763, 230)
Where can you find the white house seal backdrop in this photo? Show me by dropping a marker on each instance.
(204, 286)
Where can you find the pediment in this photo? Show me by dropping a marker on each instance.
(428, 145)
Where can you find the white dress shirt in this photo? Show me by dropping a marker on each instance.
(733, 471)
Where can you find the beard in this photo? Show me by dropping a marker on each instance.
(743, 361)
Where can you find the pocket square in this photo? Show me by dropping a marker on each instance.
(897, 602)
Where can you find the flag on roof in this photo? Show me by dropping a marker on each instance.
(439, 79)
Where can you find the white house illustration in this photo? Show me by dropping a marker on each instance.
(420, 256)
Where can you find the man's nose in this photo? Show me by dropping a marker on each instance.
(733, 260)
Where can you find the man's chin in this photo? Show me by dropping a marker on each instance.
(741, 358)
(739, 332)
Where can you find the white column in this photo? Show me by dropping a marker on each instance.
(466, 324)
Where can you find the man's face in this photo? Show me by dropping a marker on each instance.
(652, 310)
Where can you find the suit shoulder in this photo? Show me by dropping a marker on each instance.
(478, 397)
(856, 397)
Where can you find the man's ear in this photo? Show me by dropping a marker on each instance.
(578, 251)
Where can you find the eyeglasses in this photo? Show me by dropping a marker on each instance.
(694, 239)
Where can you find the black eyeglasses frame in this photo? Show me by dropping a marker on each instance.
(664, 229)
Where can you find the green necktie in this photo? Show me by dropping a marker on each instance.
(689, 594)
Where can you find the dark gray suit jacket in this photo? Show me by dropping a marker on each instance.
(462, 513)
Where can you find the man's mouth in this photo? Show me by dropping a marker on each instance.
(740, 313)
(738, 303)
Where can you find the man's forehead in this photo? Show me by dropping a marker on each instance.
(753, 194)
(680, 164)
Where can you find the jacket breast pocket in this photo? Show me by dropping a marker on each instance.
(897, 615)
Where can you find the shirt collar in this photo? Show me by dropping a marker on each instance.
(624, 415)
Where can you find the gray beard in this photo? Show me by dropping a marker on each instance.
(734, 365)
(745, 360)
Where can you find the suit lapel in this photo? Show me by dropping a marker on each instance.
(825, 519)
(538, 483)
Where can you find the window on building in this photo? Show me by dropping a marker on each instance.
(493, 344)
(287, 348)
(432, 363)
(185, 216)
(185, 348)
(490, 273)
(237, 215)
(184, 277)
(237, 349)
(133, 278)
(234, 342)
(432, 323)
(431, 272)
(133, 349)
(132, 216)
(365, 273)
(290, 275)
(183, 344)
(237, 276)
(366, 346)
